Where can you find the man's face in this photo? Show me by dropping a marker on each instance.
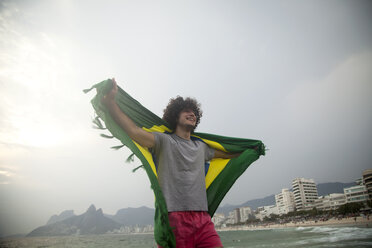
(187, 118)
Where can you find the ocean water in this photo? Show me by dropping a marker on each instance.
(287, 237)
(313, 237)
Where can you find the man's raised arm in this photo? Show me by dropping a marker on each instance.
(136, 133)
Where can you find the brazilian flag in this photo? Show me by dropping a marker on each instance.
(220, 173)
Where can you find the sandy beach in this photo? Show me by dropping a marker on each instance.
(359, 221)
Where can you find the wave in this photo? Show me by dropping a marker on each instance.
(337, 234)
(302, 228)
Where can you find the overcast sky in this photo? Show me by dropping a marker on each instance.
(295, 74)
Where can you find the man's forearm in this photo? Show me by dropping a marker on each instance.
(139, 135)
(122, 119)
(226, 155)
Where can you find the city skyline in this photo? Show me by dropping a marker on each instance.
(303, 196)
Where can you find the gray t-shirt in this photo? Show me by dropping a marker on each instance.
(181, 171)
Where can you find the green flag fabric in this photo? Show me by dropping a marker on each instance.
(220, 173)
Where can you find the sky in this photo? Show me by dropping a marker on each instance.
(295, 74)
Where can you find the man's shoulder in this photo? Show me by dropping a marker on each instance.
(165, 134)
(162, 136)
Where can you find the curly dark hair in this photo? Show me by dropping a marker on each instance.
(176, 106)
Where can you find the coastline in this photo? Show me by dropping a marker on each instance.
(359, 221)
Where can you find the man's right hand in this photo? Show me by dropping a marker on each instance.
(136, 133)
(109, 98)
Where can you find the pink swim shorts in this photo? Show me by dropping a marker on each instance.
(193, 229)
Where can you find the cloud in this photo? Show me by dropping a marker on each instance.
(8, 174)
(5, 173)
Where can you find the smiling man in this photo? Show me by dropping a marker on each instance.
(180, 160)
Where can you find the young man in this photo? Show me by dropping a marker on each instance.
(180, 160)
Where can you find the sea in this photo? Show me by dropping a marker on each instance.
(324, 236)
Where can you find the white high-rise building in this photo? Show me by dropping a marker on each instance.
(285, 202)
(232, 218)
(305, 193)
(239, 215)
(236, 215)
(367, 181)
(356, 193)
(244, 213)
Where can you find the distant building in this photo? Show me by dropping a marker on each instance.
(330, 202)
(266, 211)
(148, 228)
(236, 215)
(305, 193)
(285, 202)
(356, 193)
(218, 219)
(244, 213)
(367, 181)
(336, 200)
(232, 217)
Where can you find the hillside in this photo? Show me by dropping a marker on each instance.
(91, 222)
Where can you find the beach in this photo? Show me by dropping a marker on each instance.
(350, 221)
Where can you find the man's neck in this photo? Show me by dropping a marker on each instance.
(183, 133)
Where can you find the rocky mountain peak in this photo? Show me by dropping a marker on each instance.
(91, 222)
(91, 209)
(100, 212)
(64, 215)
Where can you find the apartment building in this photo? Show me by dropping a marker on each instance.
(367, 181)
(356, 193)
(232, 218)
(285, 202)
(305, 193)
(266, 211)
(330, 202)
(244, 213)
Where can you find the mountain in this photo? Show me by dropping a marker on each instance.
(253, 204)
(329, 188)
(91, 222)
(64, 215)
(141, 216)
